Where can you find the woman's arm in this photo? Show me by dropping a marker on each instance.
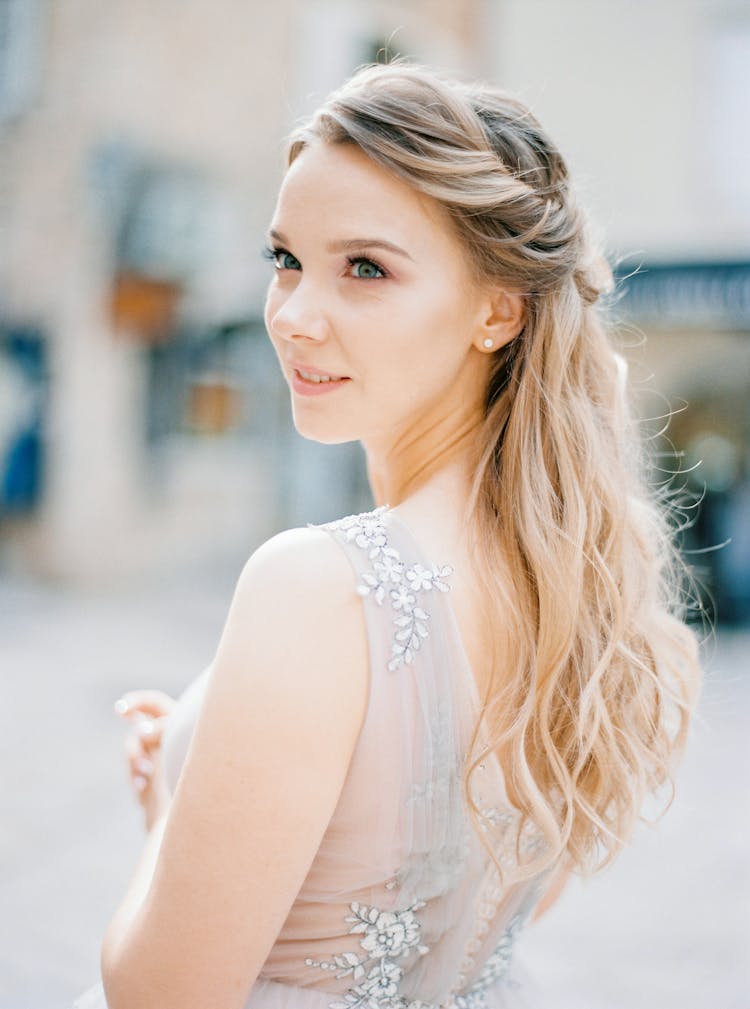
(283, 709)
(118, 927)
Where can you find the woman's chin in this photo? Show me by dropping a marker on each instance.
(325, 434)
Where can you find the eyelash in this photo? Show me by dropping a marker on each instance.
(273, 254)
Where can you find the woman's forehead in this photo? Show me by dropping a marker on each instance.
(342, 185)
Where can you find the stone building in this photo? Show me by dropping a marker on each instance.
(142, 146)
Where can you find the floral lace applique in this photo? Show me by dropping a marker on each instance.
(390, 936)
(435, 871)
(387, 937)
(446, 771)
(495, 969)
(531, 840)
(498, 962)
(390, 578)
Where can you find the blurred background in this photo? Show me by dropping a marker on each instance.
(146, 446)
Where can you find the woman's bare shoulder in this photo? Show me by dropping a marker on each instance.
(297, 606)
(297, 560)
(295, 641)
(284, 705)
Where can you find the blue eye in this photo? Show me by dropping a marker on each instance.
(286, 261)
(282, 259)
(368, 269)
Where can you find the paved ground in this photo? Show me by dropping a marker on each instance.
(666, 928)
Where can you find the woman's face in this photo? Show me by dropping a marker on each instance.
(371, 288)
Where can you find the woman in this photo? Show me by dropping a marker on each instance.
(331, 823)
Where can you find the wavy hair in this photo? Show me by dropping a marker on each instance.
(594, 672)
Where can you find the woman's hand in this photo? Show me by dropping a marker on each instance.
(147, 711)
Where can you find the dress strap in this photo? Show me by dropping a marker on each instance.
(399, 587)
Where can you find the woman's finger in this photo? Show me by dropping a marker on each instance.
(150, 702)
(138, 759)
(147, 731)
(150, 731)
(144, 766)
(133, 746)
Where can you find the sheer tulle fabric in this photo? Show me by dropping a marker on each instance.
(400, 908)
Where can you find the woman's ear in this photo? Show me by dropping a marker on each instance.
(503, 317)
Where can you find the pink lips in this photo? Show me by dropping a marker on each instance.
(306, 387)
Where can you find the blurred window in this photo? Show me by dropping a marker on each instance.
(727, 143)
(20, 52)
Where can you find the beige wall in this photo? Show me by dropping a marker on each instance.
(643, 98)
(648, 101)
(177, 80)
(214, 85)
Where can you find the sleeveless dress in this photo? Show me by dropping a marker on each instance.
(401, 907)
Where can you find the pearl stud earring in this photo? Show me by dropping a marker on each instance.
(488, 343)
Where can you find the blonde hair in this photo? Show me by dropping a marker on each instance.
(594, 674)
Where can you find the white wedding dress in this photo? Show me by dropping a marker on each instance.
(401, 908)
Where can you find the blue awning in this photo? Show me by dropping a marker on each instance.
(695, 295)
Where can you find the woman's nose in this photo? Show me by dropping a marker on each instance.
(300, 316)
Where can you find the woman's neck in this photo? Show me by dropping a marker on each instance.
(443, 445)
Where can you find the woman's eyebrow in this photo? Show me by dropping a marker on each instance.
(277, 236)
(349, 244)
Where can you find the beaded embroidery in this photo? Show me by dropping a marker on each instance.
(446, 774)
(389, 936)
(504, 823)
(495, 969)
(390, 578)
(442, 866)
